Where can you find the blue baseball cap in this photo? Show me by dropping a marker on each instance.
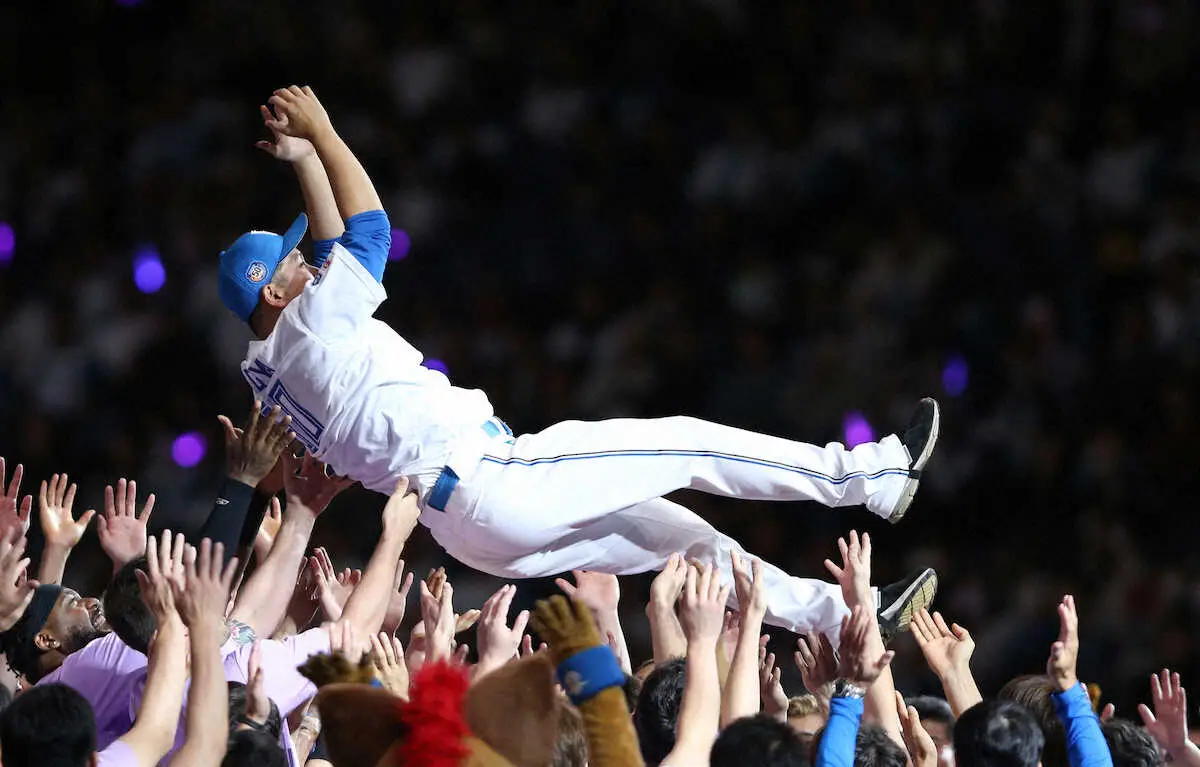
(249, 263)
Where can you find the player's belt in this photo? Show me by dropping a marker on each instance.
(440, 494)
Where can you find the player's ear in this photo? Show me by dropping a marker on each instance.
(272, 295)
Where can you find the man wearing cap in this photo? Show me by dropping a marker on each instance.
(577, 495)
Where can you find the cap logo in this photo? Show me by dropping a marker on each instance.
(256, 272)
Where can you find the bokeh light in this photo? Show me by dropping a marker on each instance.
(189, 449)
(857, 429)
(149, 275)
(438, 365)
(400, 245)
(955, 376)
(8, 243)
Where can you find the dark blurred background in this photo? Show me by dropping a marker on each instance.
(791, 217)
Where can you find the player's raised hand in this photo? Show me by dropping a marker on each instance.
(947, 648)
(702, 607)
(437, 613)
(817, 661)
(309, 484)
(55, 501)
(601, 592)
(203, 592)
(856, 663)
(668, 584)
(854, 574)
(1061, 667)
(283, 147)
(770, 683)
(499, 642)
(251, 453)
(750, 587)
(1168, 723)
(399, 601)
(264, 539)
(300, 114)
(14, 515)
(121, 529)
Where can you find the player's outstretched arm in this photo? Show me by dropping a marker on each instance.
(368, 604)
(368, 233)
(324, 221)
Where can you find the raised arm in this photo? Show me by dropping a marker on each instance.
(947, 650)
(741, 696)
(324, 221)
(601, 592)
(367, 606)
(666, 635)
(201, 598)
(1086, 746)
(262, 602)
(368, 233)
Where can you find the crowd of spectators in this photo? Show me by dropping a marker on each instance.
(790, 217)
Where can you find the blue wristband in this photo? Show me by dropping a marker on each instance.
(585, 674)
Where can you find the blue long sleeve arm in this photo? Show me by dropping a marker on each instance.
(368, 237)
(1086, 746)
(840, 739)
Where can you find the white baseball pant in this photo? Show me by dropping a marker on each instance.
(588, 495)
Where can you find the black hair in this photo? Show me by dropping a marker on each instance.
(759, 740)
(632, 689)
(1130, 745)
(49, 725)
(998, 733)
(253, 748)
(931, 709)
(874, 748)
(127, 613)
(657, 710)
(237, 709)
(1033, 693)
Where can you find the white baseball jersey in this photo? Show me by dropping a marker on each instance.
(357, 393)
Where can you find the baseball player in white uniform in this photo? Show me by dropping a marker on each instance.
(578, 495)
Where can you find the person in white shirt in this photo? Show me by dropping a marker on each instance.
(578, 495)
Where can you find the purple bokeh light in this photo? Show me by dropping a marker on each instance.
(400, 245)
(8, 243)
(955, 376)
(128, 3)
(438, 365)
(189, 449)
(149, 275)
(857, 429)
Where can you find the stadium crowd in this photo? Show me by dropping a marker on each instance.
(789, 217)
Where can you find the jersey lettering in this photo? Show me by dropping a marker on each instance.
(307, 427)
(258, 375)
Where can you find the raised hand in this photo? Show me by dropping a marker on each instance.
(817, 661)
(59, 526)
(399, 601)
(309, 485)
(1168, 723)
(599, 591)
(14, 515)
(401, 513)
(921, 748)
(390, 669)
(345, 641)
(1064, 653)
(283, 147)
(947, 649)
(16, 590)
(702, 607)
(854, 574)
(334, 588)
(202, 595)
(499, 642)
(770, 680)
(750, 588)
(855, 664)
(258, 705)
(264, 539)
(121, 529)
(252, 453)
(437, 613)
(667, 586)
(164, 575)
(301, 114)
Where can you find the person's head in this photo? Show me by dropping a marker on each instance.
(570, 750)
(1130, 744)
(49, 725)
(998, 733)
(237, 710)
(805, 715)
(657, 710)
(875, 748)
(254, 748)
(633, 690)
(127, 613)
(759, 740)
(261, 273)
(56, 623)
(938, 720)
(1033, 693)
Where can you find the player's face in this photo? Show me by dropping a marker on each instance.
(292, 274)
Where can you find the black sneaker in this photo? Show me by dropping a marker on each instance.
(919, 439)
(900, 600)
